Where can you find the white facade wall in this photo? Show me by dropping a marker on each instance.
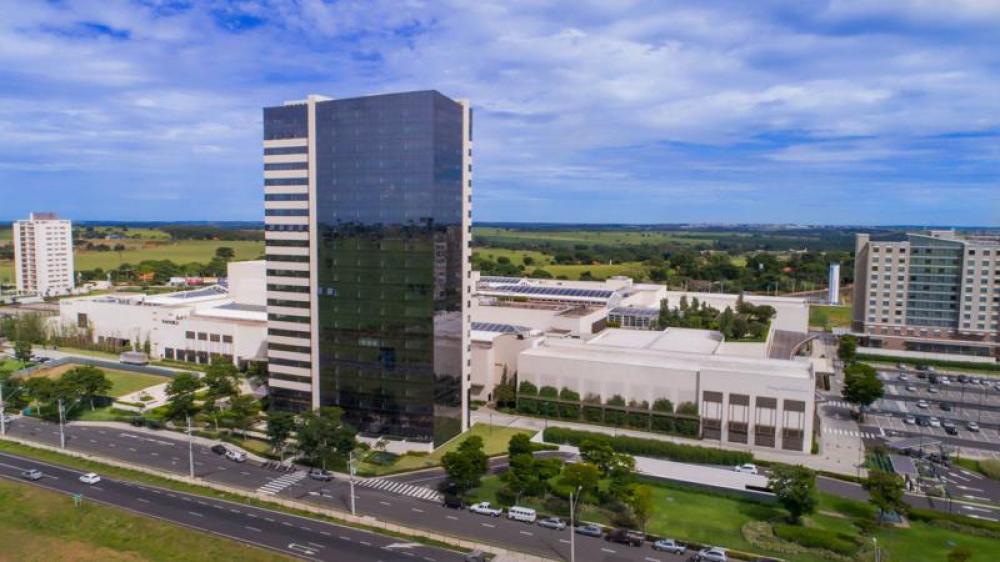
(247, 282)
(43, 255)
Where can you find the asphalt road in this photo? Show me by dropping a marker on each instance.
(288, 534)
(168, 451)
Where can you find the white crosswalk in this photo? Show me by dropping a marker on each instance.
(849, 432)
(391, 486)
(838, 404)
(282, 482)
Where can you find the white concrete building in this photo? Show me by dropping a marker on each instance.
(192, 326)
(43, 255)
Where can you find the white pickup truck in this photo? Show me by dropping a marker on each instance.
(484, 508)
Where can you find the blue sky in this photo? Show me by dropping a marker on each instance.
(807, 111)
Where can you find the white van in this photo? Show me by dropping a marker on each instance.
(525, 514)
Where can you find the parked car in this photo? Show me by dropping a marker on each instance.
(589, 530)
(626, 537)
(932, 390)
(922, 404)
(90, 478)
(552, 523)
(934, 421)
(32, 474)
(219, 449)
(963, 379)
(945, 380)
(951, 430)
(902, 377)
(475, 556)
(922, 421)
(485, 508)
(522, 514)
(320, 474)
(972, 426)
(901, 366)
(236, 456)
(452, 501)
(945, 406)
(747, 468)
(911, 388)
(712, 554)
(669, 545)
(910, 420)
(7, 418)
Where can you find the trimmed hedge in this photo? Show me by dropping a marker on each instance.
(932, 516)
(988, 367)
(650, 447)
(812, 537)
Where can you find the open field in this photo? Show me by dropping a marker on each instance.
(181, 252)
(495, 441)
(828, 317)
(611, 237)
(39, 525)
(516, 257)
(123, 382)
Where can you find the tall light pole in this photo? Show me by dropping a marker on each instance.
(574, 497)
(878, 557)
(62, 421)
(350, 464)
(3, 413)
(190, 448)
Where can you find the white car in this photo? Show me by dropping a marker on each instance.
(972, 426)
(911, 388)
(485, 508)
(236, 456)
(713, 554)
(923, 404)
(90, 478)
(945, 380)
(934, 422)
(746, 468)
(902, 377)
(669, 545)
(910, 420)
(932, 390)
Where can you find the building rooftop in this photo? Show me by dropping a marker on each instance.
(671, 339)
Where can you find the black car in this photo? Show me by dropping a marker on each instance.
(453, 502)
(218, 449)
(626, 537)
(951, 430)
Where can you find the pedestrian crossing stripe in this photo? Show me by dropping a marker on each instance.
(401, 488)
(837, 403)
(282, 482)
(849, 432)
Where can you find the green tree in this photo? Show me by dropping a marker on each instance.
(89, 382)
(795, 488)
(225, 253)
(640, 501)
(862, 386)
(280, 426)
(322, 435)
(519, 444)
(180, 395)
(521, 478)
(847, 350)
(466, 465)
(885, 491)
(599, 453)
(22, 350)
(41, 390)
(242, 412)
(256, 373)
(583, 476)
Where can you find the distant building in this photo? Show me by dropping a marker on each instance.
(833, 296)
(367, 219)
(43, 255)
(934, 293)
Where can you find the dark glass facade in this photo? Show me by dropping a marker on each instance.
(935, 282)
(389, 262)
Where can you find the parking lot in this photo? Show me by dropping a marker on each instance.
(913, 405)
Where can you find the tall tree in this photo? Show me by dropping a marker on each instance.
(322, 435)
(885, 491)
(280, 426)
(847, 350)
(242, 412)
(795, 488)
(89, 381)
(599, 453)
(519, 444)
(467, 464)
(583, 476)
(862, 386)
(22, 350)
(640, 501)
(180, 395)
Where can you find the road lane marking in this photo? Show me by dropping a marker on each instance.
(385, 503)
(366, 543)
(325, 534)
(249, 528)
(526, 533)
(490, 525)
(608, 550)
(196, 514)
(287, 524)
(564, 541)
(452, 517)
(416, 510)
(343, 538)
(143, 500)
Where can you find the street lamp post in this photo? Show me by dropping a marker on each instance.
(190, 447)
(878, 557)
(574, 497)
(3, 411)
(350, 464)
(62, 421)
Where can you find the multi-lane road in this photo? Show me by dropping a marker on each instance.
(288, 534)
(406, 504)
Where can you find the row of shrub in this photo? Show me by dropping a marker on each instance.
(989, 367)
(988, 528)
(600, 414)
(649, 447)
(812, 537)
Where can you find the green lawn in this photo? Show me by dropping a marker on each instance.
(610, 237)
(11, 365)
(122, 382)
(634, 270)
(516, 256)
(40, 525)
(828, 317)
(7, 271)
(495, 440)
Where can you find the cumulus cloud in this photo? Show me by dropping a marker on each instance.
(645, 111)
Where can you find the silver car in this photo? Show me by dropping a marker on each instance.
(713, 554)
(669, 545)
(552, 523)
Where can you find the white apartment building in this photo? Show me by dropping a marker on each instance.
(930, 293)
(43, 255)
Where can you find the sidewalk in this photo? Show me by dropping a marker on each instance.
(830, 462)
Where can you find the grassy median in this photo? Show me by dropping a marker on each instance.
(38, 524)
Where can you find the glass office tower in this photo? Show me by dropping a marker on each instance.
(384, 254)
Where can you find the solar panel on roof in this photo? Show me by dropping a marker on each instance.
(554, 291)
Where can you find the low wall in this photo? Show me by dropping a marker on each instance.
(891, 353)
